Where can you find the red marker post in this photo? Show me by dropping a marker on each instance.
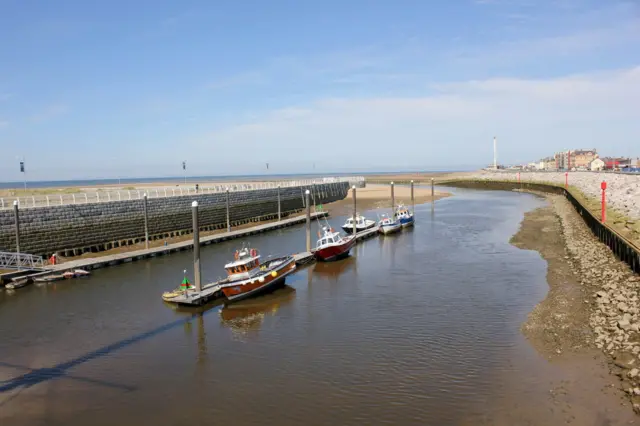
(518, 177)
(566, 180)
(603, 186)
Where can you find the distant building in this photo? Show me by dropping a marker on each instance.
(576, 159)
(548, 163)
(582, 158)
(596, 165)
(614, 163)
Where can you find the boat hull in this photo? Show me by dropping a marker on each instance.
(335, 252)
(390, 229)
(349, 229)
(260, 284)
(406, 222)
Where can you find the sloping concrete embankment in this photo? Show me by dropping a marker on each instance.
(93, 227)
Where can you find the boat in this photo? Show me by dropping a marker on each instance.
(17, 283)
(389, 225)
(247, 276)
(49, 278)
(362, 224)
(81, 273)
(405, 216)
(332, 246)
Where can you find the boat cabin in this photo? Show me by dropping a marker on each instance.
(328, 238)
(360, 222)
(245, 263)
(386, 220)
(403, 214)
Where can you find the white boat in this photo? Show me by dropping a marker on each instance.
(362, 224)
(389, 225)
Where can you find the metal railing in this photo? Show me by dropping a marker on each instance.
(20, 261)
(107, 195)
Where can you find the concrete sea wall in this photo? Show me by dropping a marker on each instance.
(78, 228)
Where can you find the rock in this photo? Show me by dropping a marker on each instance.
(636, 408)
(633, 373)
(622, 307)
(601, 293)
(624, 360)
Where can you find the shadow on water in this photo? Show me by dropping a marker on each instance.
(41, 375)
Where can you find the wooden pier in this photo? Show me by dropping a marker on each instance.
(119, 258)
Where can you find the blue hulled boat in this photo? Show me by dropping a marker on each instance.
(404, 216)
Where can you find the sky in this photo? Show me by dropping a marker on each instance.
(103, 89)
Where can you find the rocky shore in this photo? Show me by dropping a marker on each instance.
(593, 301)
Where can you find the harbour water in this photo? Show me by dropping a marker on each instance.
(415, 328)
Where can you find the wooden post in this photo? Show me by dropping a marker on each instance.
(355, 214)
(393, 202)
(196, 247)
(16, 213)
(308, 221)
(228, 217)
(146, 223)
(279, 207)
(433, 192)
(413, 204)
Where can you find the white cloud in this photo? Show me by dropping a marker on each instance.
(453, 126)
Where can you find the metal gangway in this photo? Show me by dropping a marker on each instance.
(21, 261)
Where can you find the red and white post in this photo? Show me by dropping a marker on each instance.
(518, 177)
(566, 180)
(603, 216)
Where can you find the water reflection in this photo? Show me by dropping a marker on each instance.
(333, 270)
(247, 316)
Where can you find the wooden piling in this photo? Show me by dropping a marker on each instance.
(196, 247)
(146, 222)
(228, 217)
(393, 201)
(16, 214)
(308, 206)
(355, 212)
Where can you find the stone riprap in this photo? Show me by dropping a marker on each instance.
(78, 228)
(623, 190)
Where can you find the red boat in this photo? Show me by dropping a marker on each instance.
(332, 246)
(247, 277)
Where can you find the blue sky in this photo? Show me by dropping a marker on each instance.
(107, 89)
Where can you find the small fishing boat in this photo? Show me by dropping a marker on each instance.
(49, 278)
(81, 273)
(332, 246)
(405, 216)
(17, 283)
(362, 224)
(389, 225)
(247, 276)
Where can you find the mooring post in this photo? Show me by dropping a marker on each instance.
(146, 223)
(17, 221)
(308, 221)
(355, 214)
(393, 201)
(279, 207)
(196, 247)
(413, 204)
(603, 216)
(228, 217)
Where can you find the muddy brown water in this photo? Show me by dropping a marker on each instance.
(420, 328)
